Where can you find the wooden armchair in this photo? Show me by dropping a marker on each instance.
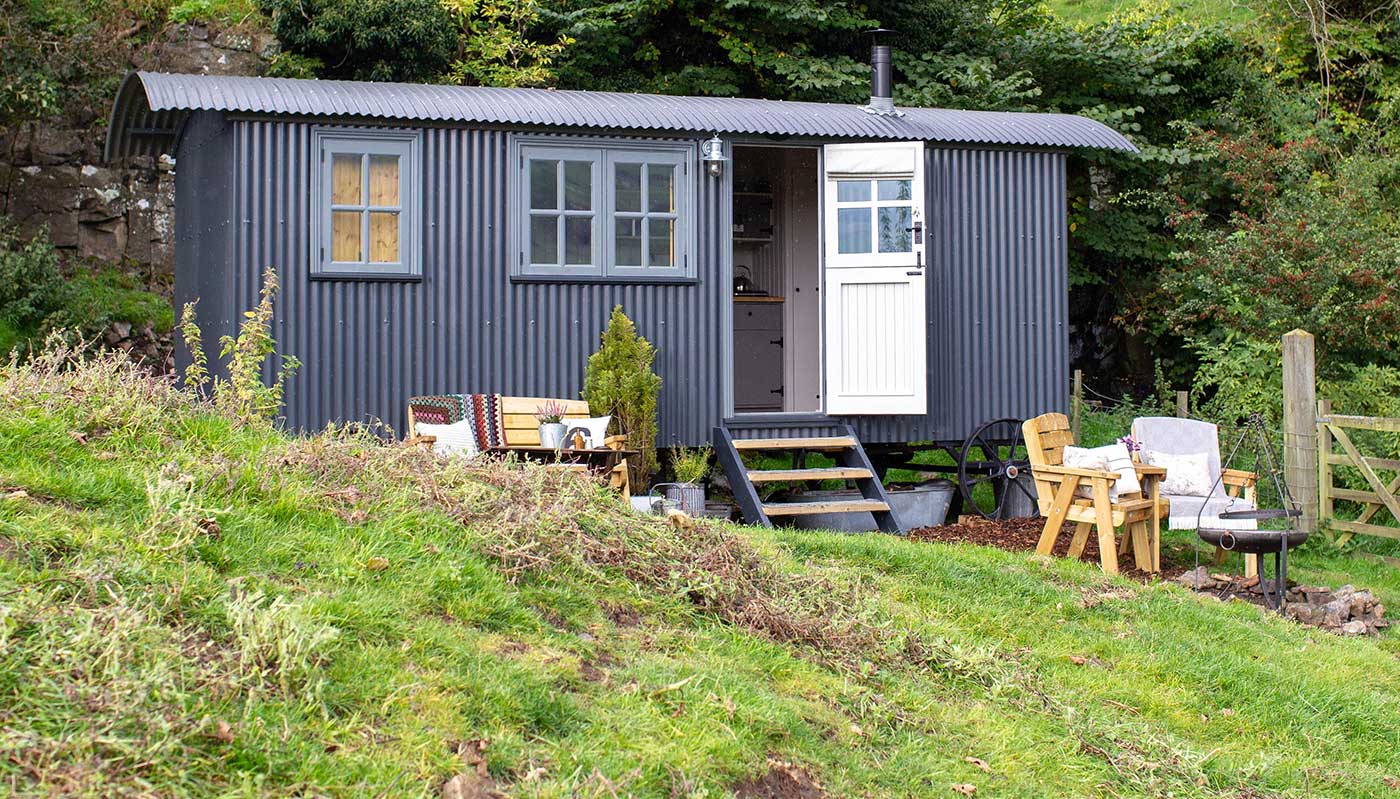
(1057, 488)
(505, 424)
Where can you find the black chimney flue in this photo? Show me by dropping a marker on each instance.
(881, 74)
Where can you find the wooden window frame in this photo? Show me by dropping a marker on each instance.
(604, 155)
(404, 144)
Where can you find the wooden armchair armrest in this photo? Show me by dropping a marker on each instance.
(416, 441)
(615, 442)
(1069, 470)
(1144, 470)
(1238, 477)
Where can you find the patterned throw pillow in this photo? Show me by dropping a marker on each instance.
(1187, 475)
(458, 438)
(1109, 458)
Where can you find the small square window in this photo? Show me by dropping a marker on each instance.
(364, 205)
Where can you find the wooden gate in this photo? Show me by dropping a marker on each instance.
(1336, 449)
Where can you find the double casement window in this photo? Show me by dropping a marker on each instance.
(604, 211)
(365, 203)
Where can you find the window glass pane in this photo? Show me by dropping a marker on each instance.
(346, 187)
(544, 239)
(629, 188)
(894, 189)
(852, 191)
(853, 229)
(629, 240)
(894, 230)
(661, 240)
(345, 236)
(383, 237)
(661, 184)
(578, 240)
(578, 185)
(544, 184)
(383, 181)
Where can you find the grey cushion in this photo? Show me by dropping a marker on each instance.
(1179, 437)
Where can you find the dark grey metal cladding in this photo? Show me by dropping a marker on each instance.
(367, 346)
(154, 100)
(204, 229)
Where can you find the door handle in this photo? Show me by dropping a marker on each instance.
(778, 341)
(915, 273)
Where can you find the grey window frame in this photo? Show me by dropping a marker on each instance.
(327, 142)
(604, 154)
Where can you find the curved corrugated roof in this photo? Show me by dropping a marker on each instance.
(150, 105)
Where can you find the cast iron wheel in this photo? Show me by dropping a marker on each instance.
(994, 455)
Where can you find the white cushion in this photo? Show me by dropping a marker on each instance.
(457, 438)
(1186, 511)
(1187, 475)
(1109, 458)
(597, 428)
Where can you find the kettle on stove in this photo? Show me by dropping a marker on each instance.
(743, 284)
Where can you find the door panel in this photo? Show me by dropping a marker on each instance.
(877, 345)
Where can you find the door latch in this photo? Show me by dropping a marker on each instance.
(778, 341)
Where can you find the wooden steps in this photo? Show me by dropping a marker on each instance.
(835, 506)
(801, 475)
(818, 444)
(852, 465)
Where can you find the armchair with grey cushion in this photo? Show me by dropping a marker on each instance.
(1231, 489)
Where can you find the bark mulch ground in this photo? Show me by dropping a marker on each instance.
(1021, 535)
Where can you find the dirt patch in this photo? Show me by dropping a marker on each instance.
(1022, 535)
(622, 615)
(781, 781)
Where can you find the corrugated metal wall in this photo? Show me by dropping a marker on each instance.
(997, 294)
(204, 229)
(368, 346)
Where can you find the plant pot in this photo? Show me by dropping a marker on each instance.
(689, 496)
(552, 435)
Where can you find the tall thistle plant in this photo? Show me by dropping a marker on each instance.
(620, 382)
(242, 395)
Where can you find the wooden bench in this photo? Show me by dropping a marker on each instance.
(520, 433)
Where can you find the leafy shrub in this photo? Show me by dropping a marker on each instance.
(31, 285)
(386, 40)
(242, 395)
(690, 465)
(620, 382)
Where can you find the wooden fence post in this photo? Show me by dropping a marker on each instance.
(1076, 405)
(1324, 463)
(1183, 404)
(1300, 424)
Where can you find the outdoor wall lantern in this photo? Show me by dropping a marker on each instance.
(713, 155)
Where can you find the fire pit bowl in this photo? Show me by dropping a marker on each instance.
(1253, 542)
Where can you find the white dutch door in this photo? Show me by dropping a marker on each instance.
(876, 345)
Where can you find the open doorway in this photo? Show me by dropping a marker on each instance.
(777, 280)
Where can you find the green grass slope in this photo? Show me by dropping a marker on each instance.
(193, 608)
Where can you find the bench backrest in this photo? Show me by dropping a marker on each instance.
(521, 427)
(503, 420)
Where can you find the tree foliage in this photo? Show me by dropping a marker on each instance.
(619, 382)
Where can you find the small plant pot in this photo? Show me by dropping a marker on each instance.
(690, 497)
(552, 435)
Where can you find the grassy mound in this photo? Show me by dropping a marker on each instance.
(193, 607)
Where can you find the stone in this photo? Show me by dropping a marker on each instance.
(1198, 580)
(1354, 628)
